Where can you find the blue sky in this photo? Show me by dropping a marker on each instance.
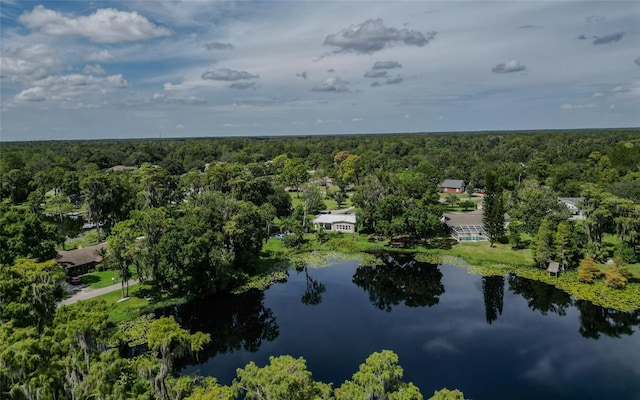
(128, 69)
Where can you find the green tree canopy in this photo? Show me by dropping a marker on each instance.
(378, 378)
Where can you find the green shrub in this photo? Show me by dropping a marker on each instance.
(588, 270)
(295, 240)
(615, 278)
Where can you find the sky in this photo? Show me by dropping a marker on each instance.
(149, 69)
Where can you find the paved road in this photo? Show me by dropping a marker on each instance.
(88, 293)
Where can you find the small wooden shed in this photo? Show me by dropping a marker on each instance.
(553, 268)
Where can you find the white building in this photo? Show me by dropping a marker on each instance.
(573, 204)
(336, 222)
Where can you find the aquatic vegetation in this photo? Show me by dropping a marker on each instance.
(320, 259)
(598, 292)
(429, 258)
(262, 282)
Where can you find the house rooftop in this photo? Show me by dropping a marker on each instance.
(81, 256)
(452, 183)
(460, 219)
(334, 218)
(123, 168)
(571, 200)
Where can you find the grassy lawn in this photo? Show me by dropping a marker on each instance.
(610, 243)
(100, 279)
(328, 201)
(296, 199)
(137, 303)
(461, 196)
(478, 253)
(481, 254)
(333, 205)
(458, 208)
(125, 310)
(633, 268)
(272, 246)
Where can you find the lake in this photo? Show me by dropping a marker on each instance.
(491, 337)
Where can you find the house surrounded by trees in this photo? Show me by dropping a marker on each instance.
(466, 227)
(452, 186)
(573, 204)
(336, 222)
(80, 261)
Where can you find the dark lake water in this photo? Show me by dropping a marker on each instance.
(492, 337)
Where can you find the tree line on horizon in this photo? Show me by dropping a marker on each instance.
(193, 216)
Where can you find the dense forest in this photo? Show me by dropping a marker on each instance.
(190, 217)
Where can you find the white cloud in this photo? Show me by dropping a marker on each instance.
(394, 81)
(372, 35)
(625, 89)
(77, 80)
(511, 66)
(226, 74)
(217, 46)
(386, 65)
(598, 94)
(179, 126)
(102, 55)
(320, 121)
(188, 100)
(376, 74)
(32, 94)
(542, 371)
(440, 346)
(29, 62)
(445, 77)
(569, 106)
(95, 69)
(106, 25)
(243, 85)
(233, 125)
(65, 88)
(627, 92)
(606, 39)
(595, 19)
(336, 85)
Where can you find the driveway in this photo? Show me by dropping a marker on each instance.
(89, 293)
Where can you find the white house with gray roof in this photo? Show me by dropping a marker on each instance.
(336, 222)
(573, 204)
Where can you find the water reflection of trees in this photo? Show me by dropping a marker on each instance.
(400, 280)
(235, 322)
(541, 296)
(596, 320)
(493, 294)
(313, 291)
